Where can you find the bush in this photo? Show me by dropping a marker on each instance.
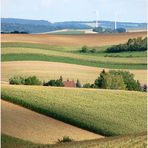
(32, 80)
(87, 85)
(65, 139)
(138, 44)
(93, 50)
(84, 49)
(17, 80)
(57, 83)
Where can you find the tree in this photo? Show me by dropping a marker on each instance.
(145, 88)
(32, 80)
(61, 79)
(87, 85)
(78, 84)
(17, 80)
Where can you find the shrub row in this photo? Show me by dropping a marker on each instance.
(19, 80)
(86, 49)
(136, 44)
(113, 79)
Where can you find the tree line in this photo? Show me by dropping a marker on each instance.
(135, 44)
(113, 79)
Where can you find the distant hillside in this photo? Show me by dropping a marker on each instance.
(40, 26)
(37, 26)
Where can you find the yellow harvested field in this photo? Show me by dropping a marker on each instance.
(73, 40)
(28, 125)
(53, 70)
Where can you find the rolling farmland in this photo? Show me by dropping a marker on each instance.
(40, 52)
(100, 112)
(110, 112)
(53, 70)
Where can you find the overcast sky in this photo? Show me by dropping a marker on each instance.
(74, 10)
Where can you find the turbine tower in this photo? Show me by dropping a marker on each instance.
(115, 25)
(97, 21)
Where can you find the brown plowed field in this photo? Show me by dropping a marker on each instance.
(73, 40)
(28, 125)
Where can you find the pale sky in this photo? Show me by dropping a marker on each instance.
(75, 10)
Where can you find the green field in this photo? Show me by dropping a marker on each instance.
(105, 112)
(39, 52)
(129, 141)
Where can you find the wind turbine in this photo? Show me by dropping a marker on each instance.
(115, 23)
(97, 21)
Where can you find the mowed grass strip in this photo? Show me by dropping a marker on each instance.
(106, 112)
(51, 58)
(86, 57)
(129, 141)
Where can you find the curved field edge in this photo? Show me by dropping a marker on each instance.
(52, 70)
(106, 112)
(41, 57)
(130, 141)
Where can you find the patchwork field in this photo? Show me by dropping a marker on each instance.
(53, 70)
(100, 112)
(110, 112)
(40, 52)
(28, 125)
(73, 40)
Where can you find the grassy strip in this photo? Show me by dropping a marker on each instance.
(12, 142)
(104, 112)
(129, 141)
(40, 57)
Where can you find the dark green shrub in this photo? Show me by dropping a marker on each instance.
(32, 80)
(57, 83)
(17, 80)
(78, 84)
(87, 85)
(65, 139)
(136, 44)
(93, 50)
(144, 88)
(84, 49)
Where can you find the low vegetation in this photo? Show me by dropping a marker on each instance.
(135, 44)
(86, 49)
(19, 80)
(65, 139)
(107, 114)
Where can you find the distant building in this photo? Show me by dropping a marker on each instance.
(69, 83)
